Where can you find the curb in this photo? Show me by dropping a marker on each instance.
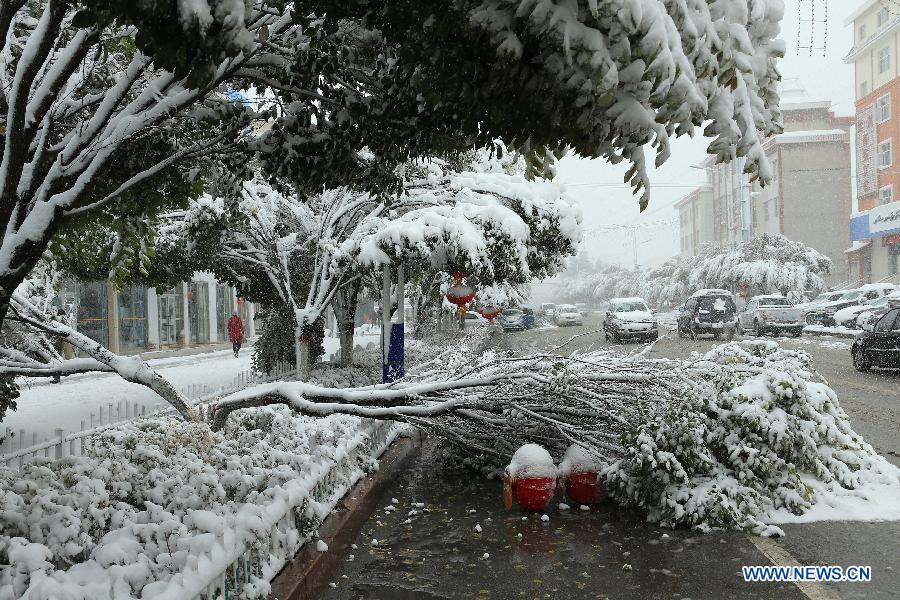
(308, 573)
(841, 334)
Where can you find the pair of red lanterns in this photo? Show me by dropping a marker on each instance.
(531, 478)
(461, 294)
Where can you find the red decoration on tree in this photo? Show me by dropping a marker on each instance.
(490, 312)
(190, 293)
(459, 293)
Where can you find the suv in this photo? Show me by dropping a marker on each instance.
(548, 308)
(517, 319)
(567, 314)
(708, 311)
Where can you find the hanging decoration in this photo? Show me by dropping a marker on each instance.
(489, 312)
(459, 293)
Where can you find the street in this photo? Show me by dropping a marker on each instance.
(449, 536)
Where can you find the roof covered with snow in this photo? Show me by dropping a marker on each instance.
(710, 292)
(621, 300)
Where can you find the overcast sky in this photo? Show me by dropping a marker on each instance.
(606, 201)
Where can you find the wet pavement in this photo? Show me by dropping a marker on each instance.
(428, 547)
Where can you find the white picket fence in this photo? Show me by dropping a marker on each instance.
(20, 446)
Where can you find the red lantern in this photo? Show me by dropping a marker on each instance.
(190, 294)
(490, 312)
(459, 293)
(534, 493)
(585, 488)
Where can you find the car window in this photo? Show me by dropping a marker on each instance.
(852, 296)
(630, 307)
(887, 321)
(512, 311)
(774, 302)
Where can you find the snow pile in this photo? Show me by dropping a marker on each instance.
(157, 508)
(757, 441)
(578, 459)
(530, 461)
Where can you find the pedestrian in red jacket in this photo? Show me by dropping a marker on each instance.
(235, 332)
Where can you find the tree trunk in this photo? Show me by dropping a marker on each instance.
(344, 306)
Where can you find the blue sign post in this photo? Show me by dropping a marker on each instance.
(392, 334)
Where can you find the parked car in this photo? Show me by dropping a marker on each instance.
(567, 314)
(771, 314)
(473, 319)
(880, 346)
(548, 308)
(629, 318)
(709, 311)
(875, 309)
(582, 308)
(517, 319)
(824, 313)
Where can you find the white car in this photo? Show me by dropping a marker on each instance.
(473, 319)
(629, 318)
(548, 309)
(567, 314)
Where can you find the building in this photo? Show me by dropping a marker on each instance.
(874, 56)
(140, 319)
(695, 220)
(810, 197)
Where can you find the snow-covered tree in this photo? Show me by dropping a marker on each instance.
(106, 103)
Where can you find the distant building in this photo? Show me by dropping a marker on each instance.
(809, 199)
(695, 218)
(875, 228)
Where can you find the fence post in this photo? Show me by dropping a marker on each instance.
(60, 434)
(109, 412)
(72, 442)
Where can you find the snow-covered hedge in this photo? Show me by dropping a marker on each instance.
(158, 507)
(738, 447)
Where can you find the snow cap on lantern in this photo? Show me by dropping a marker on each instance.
(530, 461)
(459, 293)
(489, 312)
(579, 460)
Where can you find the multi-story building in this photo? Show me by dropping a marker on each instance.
(875, 228)
(695, 220)
(808, 200)
(810, 197)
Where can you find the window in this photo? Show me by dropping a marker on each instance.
(883, 16)
(862, 32)
(884, 154)
(884, 59)
(887, 321)
(883, 108)
(864, 88)
(886, 195)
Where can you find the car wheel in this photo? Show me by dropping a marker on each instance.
(797, 332)
(758, 330)
(680, 330)
(859, 360)
(691, 333)
(716, 335)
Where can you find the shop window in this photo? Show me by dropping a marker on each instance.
(892, 263)
(224, 306)
(133, 318)
(884, 154)
(93, 311)
(883, 108)
(198, 311)
(884, 59)
(171, 316)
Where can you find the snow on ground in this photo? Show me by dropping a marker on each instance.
(840, 331)
(823, 342)
(44, 406)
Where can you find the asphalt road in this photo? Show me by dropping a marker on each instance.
(429, 546)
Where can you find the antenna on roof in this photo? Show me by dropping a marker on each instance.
(812, 27)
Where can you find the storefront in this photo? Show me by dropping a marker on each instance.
(132, 318)
(198, 311)
(170, 308)
(224, 307)
(876, 244)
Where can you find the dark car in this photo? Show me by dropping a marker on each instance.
(517, 319)
(708, 312)
(879, 347)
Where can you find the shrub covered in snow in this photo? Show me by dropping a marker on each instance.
(737, 447)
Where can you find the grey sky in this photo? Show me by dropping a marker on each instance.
(611, 202)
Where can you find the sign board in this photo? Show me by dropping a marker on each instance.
(866, 152)
(884, 218)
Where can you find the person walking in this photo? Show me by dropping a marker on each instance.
(235, 332)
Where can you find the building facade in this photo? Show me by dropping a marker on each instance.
(810, 197)
(695, 220)
(138, 319)
(876, 42)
